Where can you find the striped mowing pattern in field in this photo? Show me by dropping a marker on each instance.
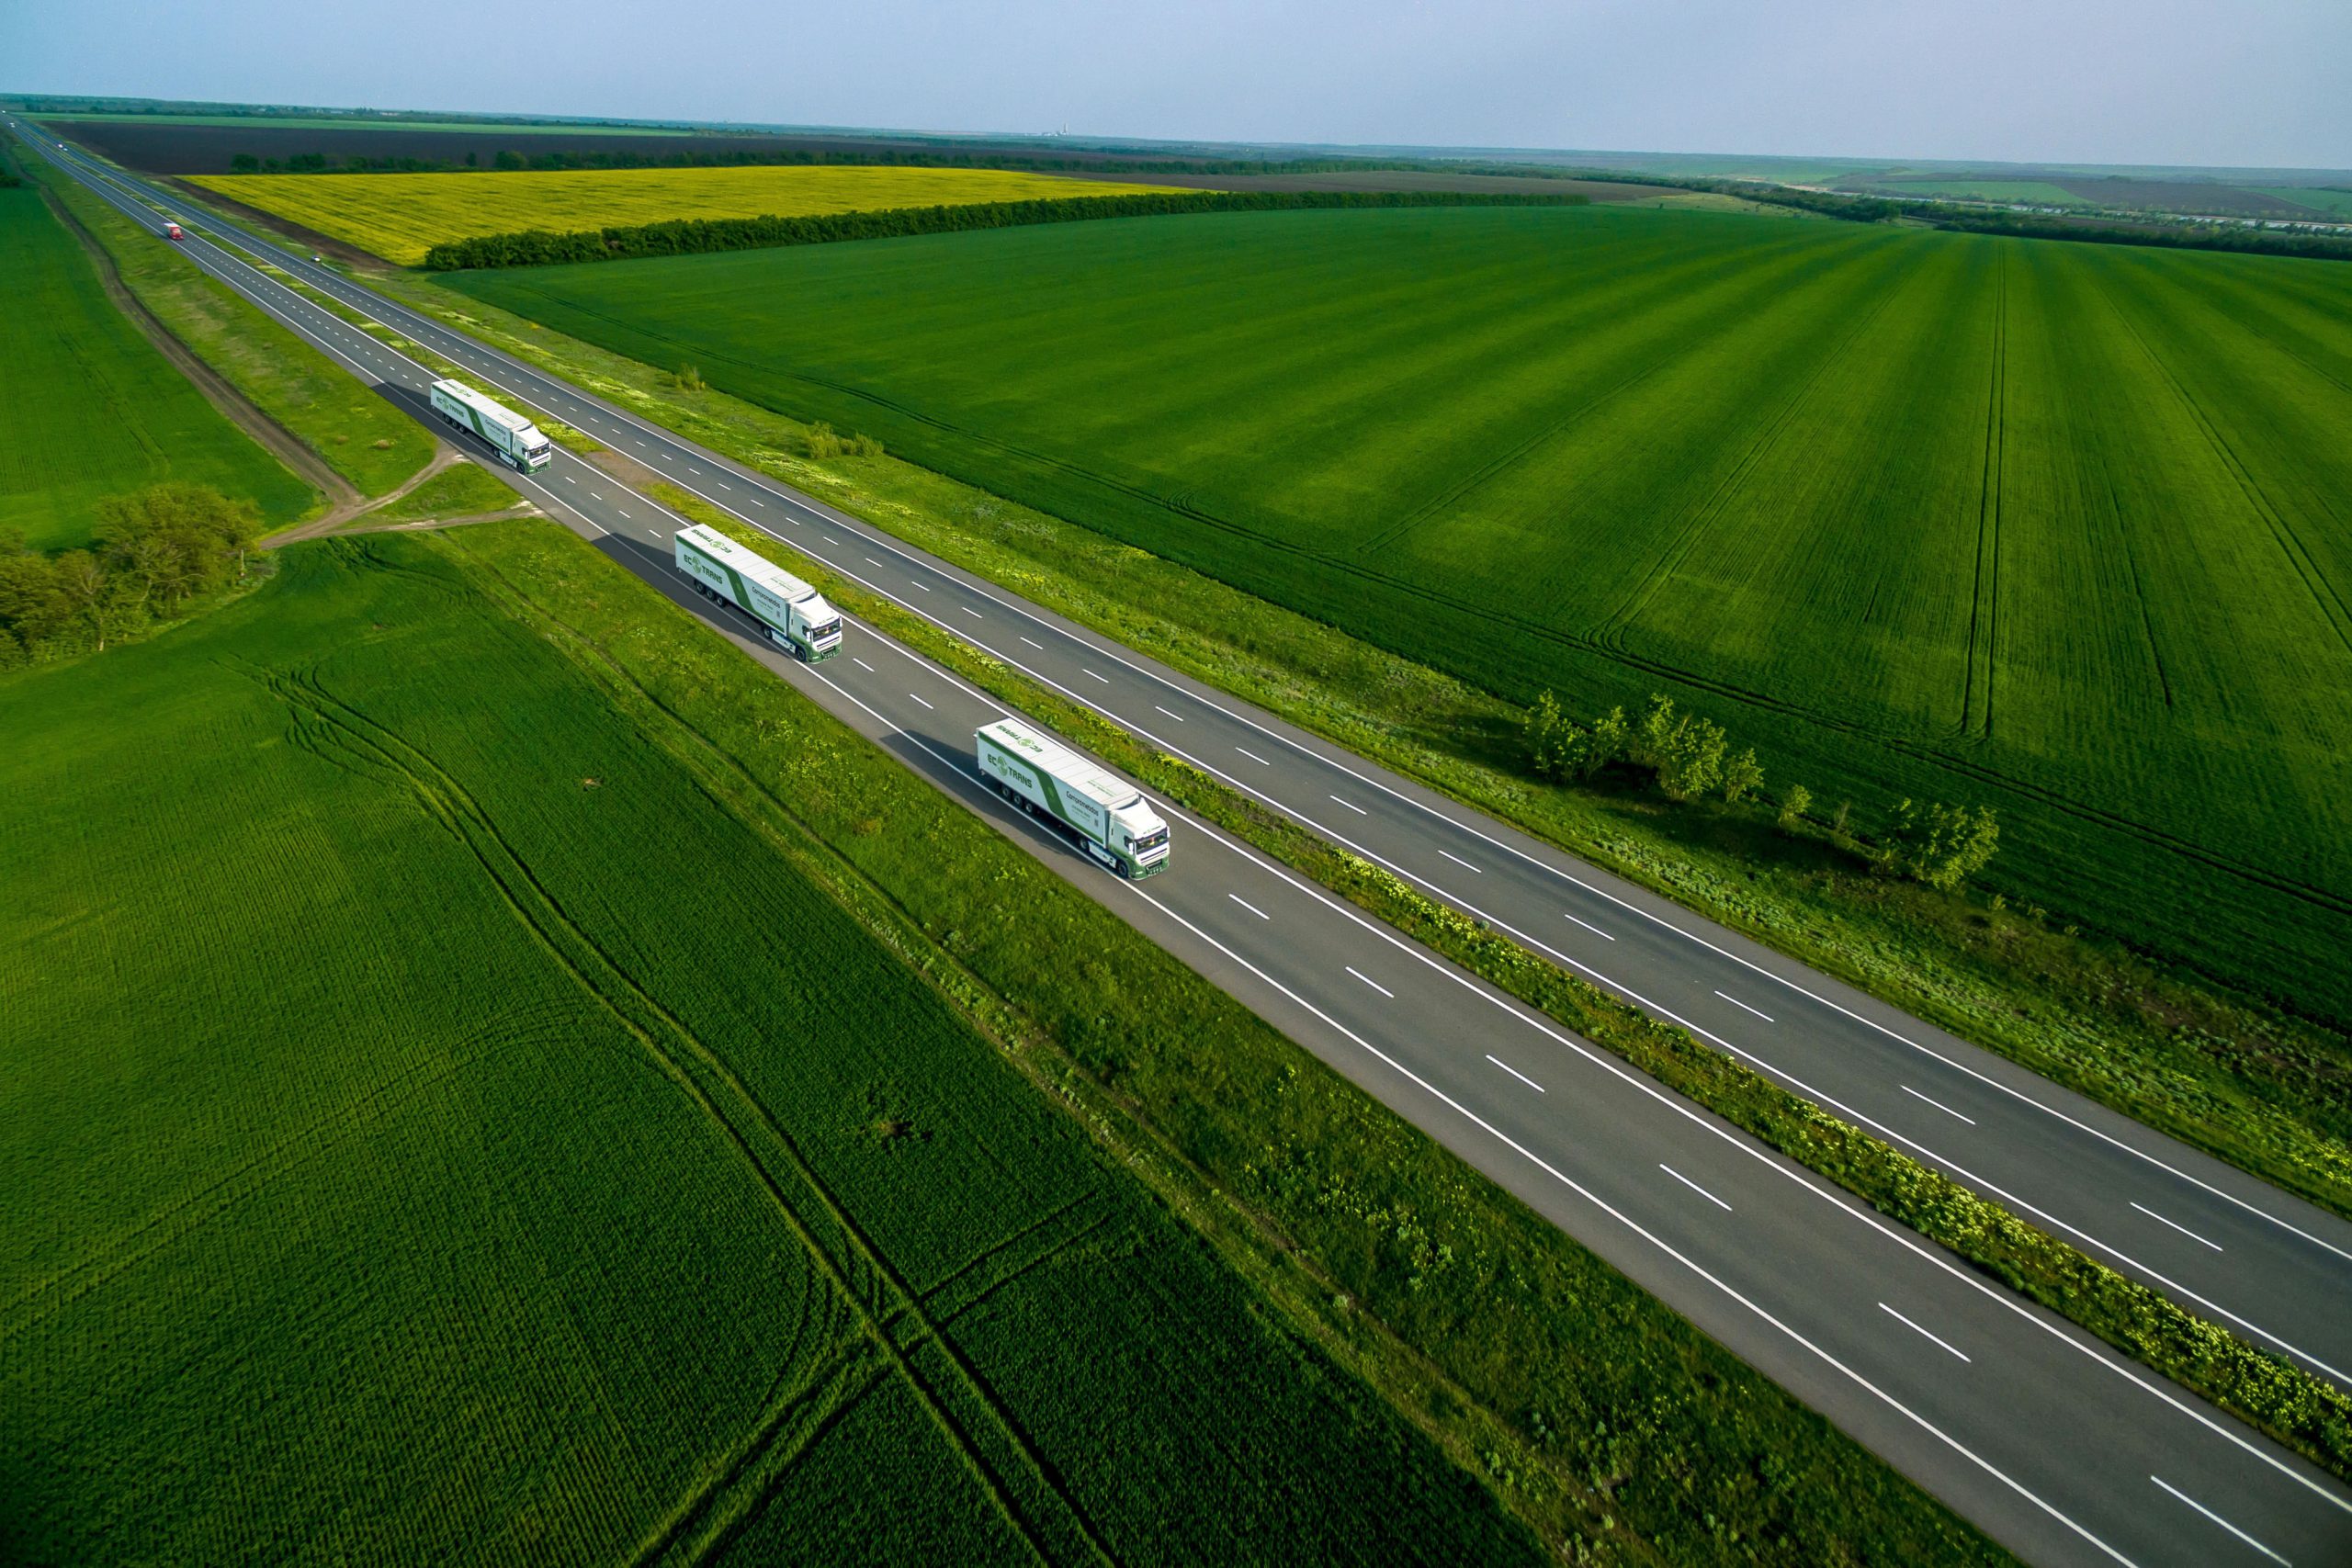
(399, 217)
(439, 1130)
(93, 408)
(2060, 528)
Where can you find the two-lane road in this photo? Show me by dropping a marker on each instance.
(2060, 1449)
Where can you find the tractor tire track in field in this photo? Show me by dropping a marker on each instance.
(1984, 601)
(798, 1413)
(864, 1278)
(1609, 635)
(2324, 593)
(796, 1416)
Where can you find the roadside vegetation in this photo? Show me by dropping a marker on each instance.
(2303, 1410)
(2266, 1088)
(400, 216)
(1626, 452)
(372, 445)
(1598, 1415)
(461, 490)
(95, 410)
(422, 1142)
(159, 555)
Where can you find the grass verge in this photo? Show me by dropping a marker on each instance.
(461, 490)
(1599, 1416)
(2301, 1410)
(580, 1181)
(2259, 1086)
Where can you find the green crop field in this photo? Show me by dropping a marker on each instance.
(437, 1129)
(399, 217)
(2040, 193)
(94, 410)
(2061, 529)
(2330, 201)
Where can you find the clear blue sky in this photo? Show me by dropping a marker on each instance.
(2250, 81)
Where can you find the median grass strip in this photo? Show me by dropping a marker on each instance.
(2041, 528)
(369, 443)
(1604, 1419)
(2302, 1411)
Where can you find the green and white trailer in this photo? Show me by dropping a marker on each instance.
(514, 438)
(795, 615)
(1107, 816)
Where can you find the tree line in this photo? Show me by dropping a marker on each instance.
(1688, 757)
(155, 549)
(543, 159)
(694, 236)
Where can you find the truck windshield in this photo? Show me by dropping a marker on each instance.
(1145, 844)
(831, 628)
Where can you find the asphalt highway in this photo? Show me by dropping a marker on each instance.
(2047, 1440)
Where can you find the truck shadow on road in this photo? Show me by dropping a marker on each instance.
(937, 749)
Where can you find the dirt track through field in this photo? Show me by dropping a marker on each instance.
(343, 499)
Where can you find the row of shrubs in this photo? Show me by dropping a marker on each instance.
(694, 236)
(2300, 1408)
(156, 550)
(1689, 757)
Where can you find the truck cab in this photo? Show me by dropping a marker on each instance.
(1139, 837)
(817, 626)
(172, 231)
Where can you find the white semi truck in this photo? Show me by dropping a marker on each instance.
(795, 615)
(514, 438)
(1107, 816)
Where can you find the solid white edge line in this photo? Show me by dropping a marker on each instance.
(1621, 1218)
(1628, 992)
(1911, 1241)
(469, 346)
(1915, 1328)
(2220, 1522)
